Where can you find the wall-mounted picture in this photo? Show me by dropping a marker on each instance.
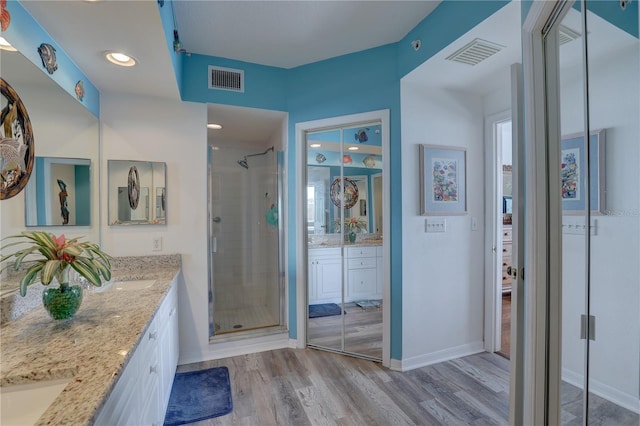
(574, 169)
(16, 143)
(443, 180)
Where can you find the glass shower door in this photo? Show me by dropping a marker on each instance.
(244, 233)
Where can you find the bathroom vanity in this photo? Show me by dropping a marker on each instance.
(118, 354)
(362, 268)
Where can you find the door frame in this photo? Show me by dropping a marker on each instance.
(541, 387)
(300, 221)
(493, 228)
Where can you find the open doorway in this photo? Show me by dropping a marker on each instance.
(505, 232)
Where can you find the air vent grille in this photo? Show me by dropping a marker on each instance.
(567, 34)
(226, 79)
(475, 52)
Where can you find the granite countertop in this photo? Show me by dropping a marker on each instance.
(327, 244)
(92, 348)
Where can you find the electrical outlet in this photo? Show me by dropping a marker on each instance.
(157, 244)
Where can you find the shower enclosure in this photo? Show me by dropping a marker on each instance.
(246, 290)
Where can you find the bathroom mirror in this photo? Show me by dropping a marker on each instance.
(59, 192)
(137, 194)
(362, 174)
(62, 128)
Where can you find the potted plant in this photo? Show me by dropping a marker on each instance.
(353, 225)
(48, 257)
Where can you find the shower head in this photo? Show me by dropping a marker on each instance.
(244, 163)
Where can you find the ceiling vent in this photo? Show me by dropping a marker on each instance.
(475, 52)
(566, 35)
(226, 79)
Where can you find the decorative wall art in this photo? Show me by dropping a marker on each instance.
(5, 16)
(48, 55)
(573, 172)
(134, 187)
(350, 192)
(443, 180)
(79, 89)
(16, 143)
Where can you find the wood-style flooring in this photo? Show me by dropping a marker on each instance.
(505, 334)
(362, 331)
(297, 387)
(311, 387)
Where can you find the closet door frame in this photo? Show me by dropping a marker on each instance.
(542, 367)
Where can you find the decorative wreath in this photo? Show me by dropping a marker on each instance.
(134, 187)
(16, 143)
(350, 192)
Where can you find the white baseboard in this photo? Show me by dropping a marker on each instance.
(438, 356)
(605, 391)
(239, 347)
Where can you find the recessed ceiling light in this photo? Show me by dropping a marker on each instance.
(314, 145)
(120, 58)
(353, 148)
(5, 45)
(214, 126)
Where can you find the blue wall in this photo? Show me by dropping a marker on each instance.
(26, 35)
(350, 84)
(83, 195)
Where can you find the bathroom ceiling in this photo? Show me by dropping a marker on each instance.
(276, 33)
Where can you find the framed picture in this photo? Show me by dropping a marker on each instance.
(573, 172)
(443, 180)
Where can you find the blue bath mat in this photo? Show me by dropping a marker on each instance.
(324, 310)
(199, 395)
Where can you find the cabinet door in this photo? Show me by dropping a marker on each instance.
(362, 283)
(329, 278)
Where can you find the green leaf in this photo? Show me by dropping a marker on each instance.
(87, 271)
(21, 255)
(102, 269)
(29, 278)
(73, 251)
(49, 270)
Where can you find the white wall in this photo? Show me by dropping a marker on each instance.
(443, 273)
(173, 132)
(615, 297)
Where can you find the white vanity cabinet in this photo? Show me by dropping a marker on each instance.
(141, 394)
(363, 273)
(325, 275)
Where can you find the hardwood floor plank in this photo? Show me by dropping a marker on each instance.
(315, 407)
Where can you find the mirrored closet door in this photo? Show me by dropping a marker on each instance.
(344, 239)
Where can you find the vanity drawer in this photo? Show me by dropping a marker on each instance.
(507, 234)
(361, 252)
(363, 262)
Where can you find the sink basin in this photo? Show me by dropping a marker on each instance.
(125, 285)
(25, 404)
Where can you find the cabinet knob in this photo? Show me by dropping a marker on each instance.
(153, 336)
(153, 369)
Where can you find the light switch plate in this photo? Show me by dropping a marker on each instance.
(435, 224)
